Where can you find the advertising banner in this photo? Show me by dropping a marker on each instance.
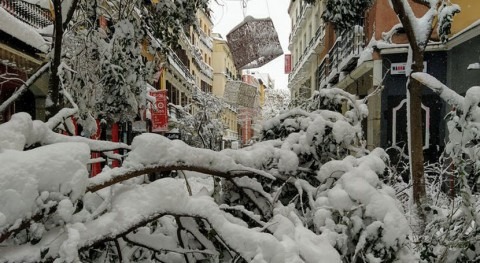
(288, 63)
(159, 113)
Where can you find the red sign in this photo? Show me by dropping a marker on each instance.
(159, 113)
(288, 63)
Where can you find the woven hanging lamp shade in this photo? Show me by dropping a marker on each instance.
(254, 43)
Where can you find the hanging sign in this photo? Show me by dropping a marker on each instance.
(159, 115)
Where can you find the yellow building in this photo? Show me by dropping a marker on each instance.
(224, 70)
(223, 65)
(369, 57)
(188, 67)
(201, 54)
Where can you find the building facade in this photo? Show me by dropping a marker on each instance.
(223, 71)
(22, 53)
(306, 44)
(370, 59)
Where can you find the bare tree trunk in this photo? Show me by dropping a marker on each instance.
(415, 111)
(54, 81)
(416, 144)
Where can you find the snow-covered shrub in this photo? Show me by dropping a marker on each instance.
(319, 132)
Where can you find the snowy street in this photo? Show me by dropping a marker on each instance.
(281, 131)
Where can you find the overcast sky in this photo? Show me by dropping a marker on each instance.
(228, 13)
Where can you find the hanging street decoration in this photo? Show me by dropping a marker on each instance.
(240, 94)
(254, 43)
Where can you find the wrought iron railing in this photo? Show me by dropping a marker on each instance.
(173, 56)
(347, 47)
(352, 42)
(314, 41)
(322, 73)
(31, 14)
(207, 40)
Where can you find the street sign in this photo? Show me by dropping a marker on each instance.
(401, 68)
(288, 63)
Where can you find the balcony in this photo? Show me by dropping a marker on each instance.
(206, 40)
(305, 11)
(178, 65)
(342, 57)
(30, 14)
(300, 68)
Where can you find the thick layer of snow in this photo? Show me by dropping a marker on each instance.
(21, 132)
(25, 33)
(474, 66)
(29, 179)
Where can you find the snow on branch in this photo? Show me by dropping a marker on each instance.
(387, 36)
(64, 113)
(21, 132)
(25, 86)
(137, 205)
(448, 95)
(154, 153)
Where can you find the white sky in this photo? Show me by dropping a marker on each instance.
(230, 14)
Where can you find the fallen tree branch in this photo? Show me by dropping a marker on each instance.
(24, 87)
(117, 175)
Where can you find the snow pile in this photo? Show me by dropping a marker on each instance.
(36, 179)
(21, 132)
(16, 134)
(474, 66)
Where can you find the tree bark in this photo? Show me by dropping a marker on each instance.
(54, 81)
(415, 109)
(416, 143)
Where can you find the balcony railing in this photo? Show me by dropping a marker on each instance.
(31, 14)
(308, 51)
(178, 64)
(207, 40)
(322, 73)
(296, 26)
(342, 56)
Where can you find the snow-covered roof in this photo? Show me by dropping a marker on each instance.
(22, 31)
